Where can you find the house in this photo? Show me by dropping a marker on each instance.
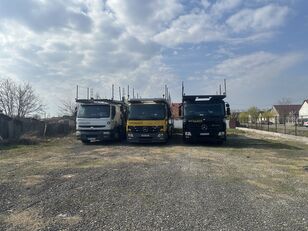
(303, 111)
(261, 118)
(285, 113)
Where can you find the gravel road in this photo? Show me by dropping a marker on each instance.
(250, 183)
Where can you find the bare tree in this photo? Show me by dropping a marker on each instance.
(68, 107)
(7, 97)
(285, 101)
(26, 101)
(19, 100)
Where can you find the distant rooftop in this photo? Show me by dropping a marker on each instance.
(287, 109)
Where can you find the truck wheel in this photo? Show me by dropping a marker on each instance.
(85, 141)
(185, 140)
(122, 134)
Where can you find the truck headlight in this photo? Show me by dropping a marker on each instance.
(221, 133)
(160, 135)
(130, 135)
(187, 133)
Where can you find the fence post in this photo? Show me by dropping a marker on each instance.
(295, 127)
(276, 127)
(285, 126)
(267, 123)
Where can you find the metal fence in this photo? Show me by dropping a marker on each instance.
(292, 125)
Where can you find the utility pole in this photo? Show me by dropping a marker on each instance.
(219, 89)
(120, 93)
(127, 91)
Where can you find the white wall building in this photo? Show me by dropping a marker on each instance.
(303, 111)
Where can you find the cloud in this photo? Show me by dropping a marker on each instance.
(57, 45)
(251, 77)
(191, 28)
(264, 18)
(56, 58)
(208, 26)
(141, 18)
(222, 6)
(45, 15)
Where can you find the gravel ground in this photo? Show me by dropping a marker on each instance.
(250, 183)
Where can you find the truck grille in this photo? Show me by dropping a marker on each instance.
(145, 129)
(205, 126)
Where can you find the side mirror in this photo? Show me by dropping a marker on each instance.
(113, 113)
(228, 111)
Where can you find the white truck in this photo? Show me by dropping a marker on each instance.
(100, 120)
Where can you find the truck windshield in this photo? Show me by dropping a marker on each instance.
(147, 112)
(197, 110)
(93, 111)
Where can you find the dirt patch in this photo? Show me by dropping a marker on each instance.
(25, 220)
(29, 181)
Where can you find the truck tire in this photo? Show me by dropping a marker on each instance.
(85, 141)
(185, 140)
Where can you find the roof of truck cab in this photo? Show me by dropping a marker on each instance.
(209, 97)
(99, 102)
(149, 100)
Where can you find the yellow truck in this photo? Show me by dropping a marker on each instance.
(149, 121)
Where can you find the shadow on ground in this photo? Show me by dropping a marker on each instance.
(233, 141)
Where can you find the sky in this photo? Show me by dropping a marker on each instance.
(259, 46)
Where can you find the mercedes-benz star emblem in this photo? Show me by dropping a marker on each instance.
(145, 129)
(203, 127)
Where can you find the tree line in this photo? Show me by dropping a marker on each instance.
(253, 114)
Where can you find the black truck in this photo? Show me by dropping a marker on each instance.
(204, 118)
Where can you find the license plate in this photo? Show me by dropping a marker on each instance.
(204, 134)
(145, 135)
(92, 139)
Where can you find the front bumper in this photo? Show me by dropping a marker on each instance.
(100, 135)
(205, 136)
(146, 138)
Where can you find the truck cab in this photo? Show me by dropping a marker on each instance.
(204, 118)
(100, 119)
(149, 121)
